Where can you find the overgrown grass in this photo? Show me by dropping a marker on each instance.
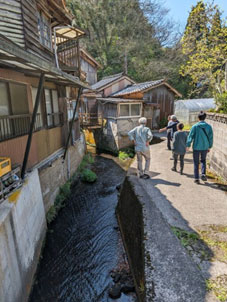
(59, 203)
(186, 238)
(88, 176)
(65, 190)
(219, 287)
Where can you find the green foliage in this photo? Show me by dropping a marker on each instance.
(133, 42)
(87, 159)
(186, 238)
(204, 45)
(221, 101)
(88, 176)
(219, 287)
(163, 122)
(59, 203)
(126, 153)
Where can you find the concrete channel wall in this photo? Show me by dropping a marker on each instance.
(22, 229)
(218, 154)
(23, 221)
(54, 172)
(162, 269)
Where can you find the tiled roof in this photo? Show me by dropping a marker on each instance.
(138, 87)
(106, 80)
(118, 100)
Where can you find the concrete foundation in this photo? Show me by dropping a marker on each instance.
(22, 229)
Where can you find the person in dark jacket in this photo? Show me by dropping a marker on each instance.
(179, 147)
(201, 135)
(172, 126)
(169, 138)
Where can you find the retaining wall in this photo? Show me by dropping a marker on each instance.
(218, 154)
(22, 229)
(162, 269)
(54, 172)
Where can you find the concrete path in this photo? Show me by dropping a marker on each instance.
(190, 207)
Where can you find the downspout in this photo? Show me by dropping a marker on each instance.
(72, 121)
(37, 102)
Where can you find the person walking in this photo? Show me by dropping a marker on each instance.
(179, 147)
(201, 135)
(141, 136)
(169, 138)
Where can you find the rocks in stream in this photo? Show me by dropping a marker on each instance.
(123, 283)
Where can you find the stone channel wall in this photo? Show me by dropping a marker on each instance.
(218, 154)
(22, 229)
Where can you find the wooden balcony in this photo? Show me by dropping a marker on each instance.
(91, 120)
(12, 126)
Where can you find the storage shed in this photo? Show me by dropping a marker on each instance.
(187, 110)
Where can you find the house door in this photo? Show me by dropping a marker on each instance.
(148, 113)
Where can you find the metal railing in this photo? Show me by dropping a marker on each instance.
(12, 126)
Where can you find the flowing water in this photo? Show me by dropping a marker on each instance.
(83, 244)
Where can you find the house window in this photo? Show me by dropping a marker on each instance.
(52, 108)
(132, 110)
(44, 28)
(14, 118)
(39, 116)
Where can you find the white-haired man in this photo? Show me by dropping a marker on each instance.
(141, 136)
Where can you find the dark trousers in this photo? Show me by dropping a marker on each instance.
(175, 157)
(199, 155)
(169, 138)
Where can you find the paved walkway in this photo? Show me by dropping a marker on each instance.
(189, 206)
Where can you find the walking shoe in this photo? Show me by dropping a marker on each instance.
(145, 176)
(203, 177)
(171, 158)
(196, 181)
(181, 172)
(174, 169)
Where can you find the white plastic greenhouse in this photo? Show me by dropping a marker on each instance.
(187, 110)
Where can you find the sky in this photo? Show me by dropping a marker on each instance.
(179, 9)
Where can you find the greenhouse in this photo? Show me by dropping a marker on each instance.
(187, 110)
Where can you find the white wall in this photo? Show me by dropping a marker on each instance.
(22, 229)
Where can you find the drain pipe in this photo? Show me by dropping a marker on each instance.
(72, 121)
(37, 102)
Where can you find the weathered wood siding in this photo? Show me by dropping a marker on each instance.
(91, 71)
(163, 97)
(11, 21)
(31, 35)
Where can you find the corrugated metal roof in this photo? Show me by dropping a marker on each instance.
(138, 87)
(197, 105)
(119, 100)
(106, 80)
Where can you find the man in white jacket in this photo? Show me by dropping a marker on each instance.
(141, 136)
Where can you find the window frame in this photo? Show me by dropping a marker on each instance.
(129, 116)
(54, 124)
(44, 20)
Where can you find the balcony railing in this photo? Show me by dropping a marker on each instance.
(12, 126)
(90, 119)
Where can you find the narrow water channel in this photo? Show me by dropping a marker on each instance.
(83, 245)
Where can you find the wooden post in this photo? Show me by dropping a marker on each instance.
(37, 102)
(72, 121)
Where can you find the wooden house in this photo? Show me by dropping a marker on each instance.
(104, 88)
(35, 76)
(120, 102)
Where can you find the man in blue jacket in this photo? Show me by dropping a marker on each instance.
(201, 135)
